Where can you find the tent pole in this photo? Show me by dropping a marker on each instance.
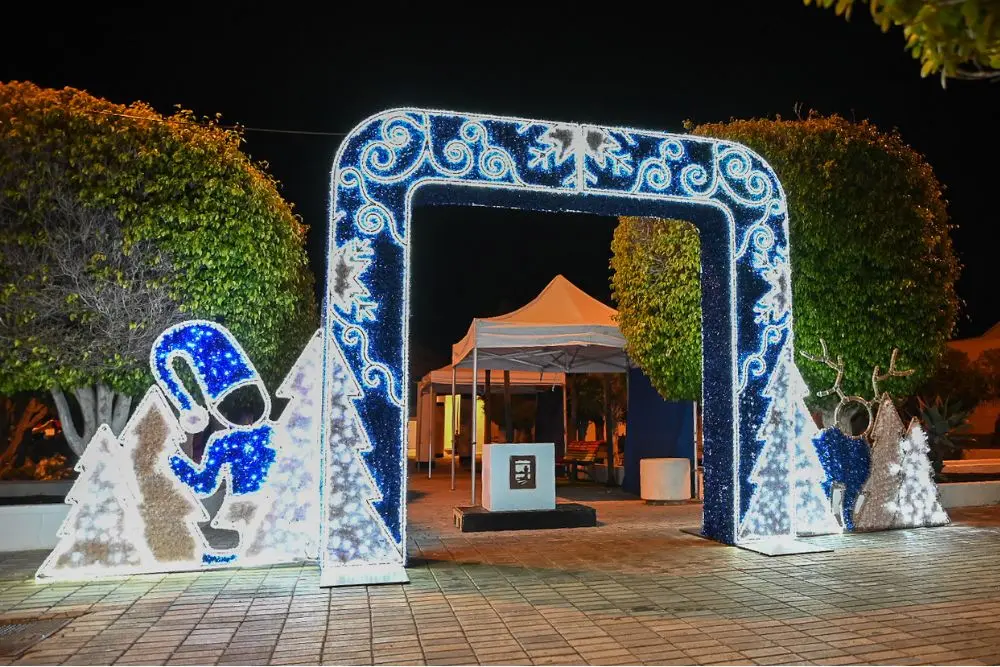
(430, 441)
(628, 388)
(573, 415)
(534, 433)
(488, 412)
(475, 420)
(454, 434)
(609, 433)
(508, 418)
(565, 416)
(420, 430)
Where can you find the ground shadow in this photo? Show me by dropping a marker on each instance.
(591, 492)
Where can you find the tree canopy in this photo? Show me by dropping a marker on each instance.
(117, 221)
(657, 285)
(873, 266)
(957, 39)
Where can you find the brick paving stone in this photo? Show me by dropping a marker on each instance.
(562, 659)
(836, 660)
(712, 658)
(783, 659)
(762, 652)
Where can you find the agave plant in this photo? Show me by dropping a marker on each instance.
(947, 424)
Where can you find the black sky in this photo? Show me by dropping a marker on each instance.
(291, 67)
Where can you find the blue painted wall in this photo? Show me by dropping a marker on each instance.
(656, 429)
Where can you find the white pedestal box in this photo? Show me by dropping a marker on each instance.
(665, 479)
(519, 476)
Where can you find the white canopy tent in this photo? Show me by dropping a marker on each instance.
(563, 330)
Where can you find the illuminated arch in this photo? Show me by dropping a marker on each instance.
(403, 157)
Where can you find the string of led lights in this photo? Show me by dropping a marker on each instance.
(237, 127)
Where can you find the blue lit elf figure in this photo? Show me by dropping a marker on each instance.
(220, 366)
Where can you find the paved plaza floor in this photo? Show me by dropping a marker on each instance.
(633, 590)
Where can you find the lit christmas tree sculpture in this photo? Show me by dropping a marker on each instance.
(917, 503)
(788, 475)
(875, 507)
(356, 537)
(772, 506)
(102, 534)
(899, 491)
(169, 509)
(287, 529)
(813, 511)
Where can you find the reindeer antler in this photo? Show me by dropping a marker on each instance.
(892, 372)
(837, 366)
(838, 390)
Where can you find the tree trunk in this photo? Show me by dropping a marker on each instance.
(100, 405)
(30, 415)
(119, 416)
(6, 417)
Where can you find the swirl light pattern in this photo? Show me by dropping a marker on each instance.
(401, 157)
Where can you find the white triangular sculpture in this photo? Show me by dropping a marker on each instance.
(286, 530)
(900, 491)
(354, 533)
(102, 534)
(917, 502)
(813, 509)
(872, 510)
(771, 512)
(169, 509)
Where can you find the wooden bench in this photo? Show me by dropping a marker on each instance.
(582, 452)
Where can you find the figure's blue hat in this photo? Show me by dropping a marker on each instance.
(218, 363)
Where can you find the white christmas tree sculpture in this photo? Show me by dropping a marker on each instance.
(875, 507)
(355, 535)
(813, 510)
(169, 509)
(287, 530)
(771, 512)
(916, 503)
(102, 533)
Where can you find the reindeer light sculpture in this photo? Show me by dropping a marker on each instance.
(877, 397)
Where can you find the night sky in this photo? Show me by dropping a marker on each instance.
(289, 68)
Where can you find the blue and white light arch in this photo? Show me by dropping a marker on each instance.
(404, 157)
